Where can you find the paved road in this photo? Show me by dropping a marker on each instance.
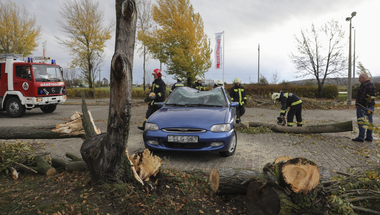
(332, 151)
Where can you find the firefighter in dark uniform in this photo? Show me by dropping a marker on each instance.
(294, 102)
(198, 85)
(237, 94)
(157, 94)
(178, 84)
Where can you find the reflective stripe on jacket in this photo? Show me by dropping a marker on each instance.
(237, 94)
(288, 100)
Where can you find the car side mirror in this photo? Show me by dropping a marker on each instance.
(234, 104)
(160, 104)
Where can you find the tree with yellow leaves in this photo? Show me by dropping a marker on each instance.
(179, 40)
(82, 22)
(19, 31)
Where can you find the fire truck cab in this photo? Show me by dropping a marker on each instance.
(27, 83)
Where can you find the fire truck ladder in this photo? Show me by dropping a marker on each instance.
(10, 56)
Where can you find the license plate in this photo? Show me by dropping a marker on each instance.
(183, 139)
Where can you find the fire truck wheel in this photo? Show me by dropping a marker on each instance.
(48, 108)
(15, 108)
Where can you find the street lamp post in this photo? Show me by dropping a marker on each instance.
(349, 85)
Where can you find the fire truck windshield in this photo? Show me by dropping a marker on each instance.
(47, 73)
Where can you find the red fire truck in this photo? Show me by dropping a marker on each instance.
(27, 83)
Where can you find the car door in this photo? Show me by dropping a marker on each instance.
(23, 80)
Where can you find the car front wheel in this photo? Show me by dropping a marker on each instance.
(15, 108)
(231, 150)
(48, 108)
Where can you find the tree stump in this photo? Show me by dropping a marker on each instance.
(300, 175)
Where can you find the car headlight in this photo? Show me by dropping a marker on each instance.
(151, 126)
(221, 127)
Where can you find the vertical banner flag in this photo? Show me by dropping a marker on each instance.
(218, 51)
(43, 48)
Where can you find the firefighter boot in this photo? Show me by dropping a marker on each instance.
(142, 127)
(238, 120)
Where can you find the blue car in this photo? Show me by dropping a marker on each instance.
(192, 120)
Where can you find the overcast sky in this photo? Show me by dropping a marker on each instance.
(246, 23)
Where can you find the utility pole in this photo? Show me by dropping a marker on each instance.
(349, 85)
(353, 63)
(258, 64)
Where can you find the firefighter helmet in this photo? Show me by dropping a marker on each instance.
(275, 96)
(179, 79)
(199, 79)
(157, 72)
(237, 80)
(219, 83)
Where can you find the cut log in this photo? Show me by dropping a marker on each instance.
(58, 163)
(232, 181)
(43, 167)
(312, 129)
(69, 166)
(73, 157)
(300, 175)
(76, 166)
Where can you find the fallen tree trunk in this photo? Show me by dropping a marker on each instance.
(312, 129)
(70, 129)
(33, 132)
(232, 181)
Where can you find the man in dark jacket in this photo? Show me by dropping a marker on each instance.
(178, 84)
(198, 85)
(237, 94)
(157, 94)
(365, 107)
(294, 102)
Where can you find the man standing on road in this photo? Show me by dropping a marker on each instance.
(157, 94)
(294, 102)
(178, 84)
(365, 106)
(237, 94)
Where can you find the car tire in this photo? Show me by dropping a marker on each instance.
(48, 108)
(232, 148)
(14, 108)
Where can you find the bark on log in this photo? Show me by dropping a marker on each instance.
(231, 180)
(58, 163)
(76, 166)
(69, 166)
(70, 129)
(43, 167)
(33, 132)
(73, 157)
(312, 129)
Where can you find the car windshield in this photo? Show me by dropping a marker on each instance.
(46, 73)
(189, 97)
